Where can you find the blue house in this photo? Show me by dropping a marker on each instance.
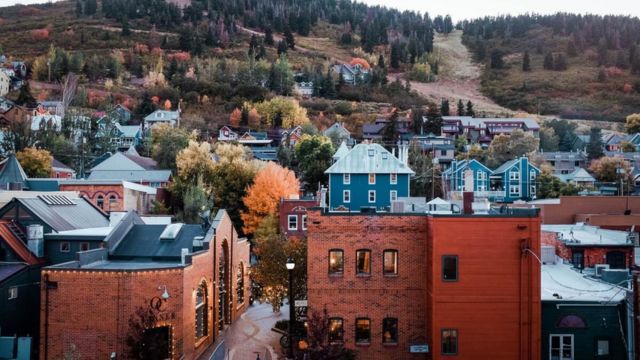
(516, 179)
(468, 172)
(367, 177)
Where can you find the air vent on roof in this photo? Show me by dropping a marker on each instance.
(56, 200)
(171, 231)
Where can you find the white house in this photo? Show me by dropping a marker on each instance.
(162, 116)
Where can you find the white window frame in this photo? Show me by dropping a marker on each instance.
(532, 175)
(481, 175)
(295, 220)
(561, 336)
(304, 222)
(371, 192)
(516, 177)
(511, 187)
(346, 196)
(13, 293)
(532, 190)
(393, 178)
(374, 179)
(346, 179)
(393, 195)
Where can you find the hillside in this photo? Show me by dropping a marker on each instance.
(592, 64)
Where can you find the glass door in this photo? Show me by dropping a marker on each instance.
(561, 347)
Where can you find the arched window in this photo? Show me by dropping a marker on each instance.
(571, 321)
(100, 201)
(202, 312)
(240, 284)
(112, 201)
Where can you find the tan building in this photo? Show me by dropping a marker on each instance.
(5, 83)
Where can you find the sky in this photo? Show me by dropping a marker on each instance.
(467, 9)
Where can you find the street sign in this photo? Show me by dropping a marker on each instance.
(301, 303)
(419, 349)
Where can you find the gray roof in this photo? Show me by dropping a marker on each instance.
(504, 167)
(118, 161)
(368, 159)
(80, 215)
(7, 270)
(469, 121)
(336, 128)
(563, 155)
(130, 131)
(12, 172)
(342, 151)
(578, 175)
(144, 241)
(133, 176)
(162, 115)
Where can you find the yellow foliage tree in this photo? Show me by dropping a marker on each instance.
(35, 162)
(271, 184)
(281, 112)
(195, 162)
(633, 123)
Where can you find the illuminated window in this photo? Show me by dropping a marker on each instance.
(390, 331)
(450, 268)
(240, 284)
(336, 330)
(201, 312)
(390, 262)
(363, 262)
(112, 201)
(372, 179)
(449, 341)
(336, 262)
(13, 293)
(363, 331)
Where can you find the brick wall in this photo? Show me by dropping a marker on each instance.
(92, 192)
(297, 208)
(570, 206)
(592, 255)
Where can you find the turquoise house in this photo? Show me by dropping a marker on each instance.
(367, 177)
(458, 175)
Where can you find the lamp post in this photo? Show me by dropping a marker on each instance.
(290, 266)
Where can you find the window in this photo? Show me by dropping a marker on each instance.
(292, 222)
(449, 341)
(240, 284)
(533, 190)
(372, 179)
(514, 189)
(363, 331)
(450, 268)
(304, 222)
(65, 246)
(577, 259)
(84, 246)
(393, 195)
(390, 262)
(514, 175)
(481, 175)
(532, 174)
(389, 331)
(202, 318)
(336, 330)
(561, 347)
(394, 179)
(372, 196)
(602, 348)
(112, 201)
(443, 152)
(336, 262)
(363, 262)
(100, 202)
(346, 179)
(346, 196)
(576, 163)
(616, 260)
(13, 292)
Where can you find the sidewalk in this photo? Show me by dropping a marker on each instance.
(252, 333)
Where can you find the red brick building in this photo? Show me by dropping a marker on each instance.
(611, 212)
(194, 283)
(463, 287)
(293, 216)
(113, 195)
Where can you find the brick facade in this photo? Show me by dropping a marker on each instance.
(605, 210)
(498, 291)
(298, 209)
(93, 193)
(87, 312)
(592, 255)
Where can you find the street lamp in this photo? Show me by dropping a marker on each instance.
(290, 266)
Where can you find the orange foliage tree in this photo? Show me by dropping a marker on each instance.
(271, 184)
(167, 104)
(235, 117)
(254, 118)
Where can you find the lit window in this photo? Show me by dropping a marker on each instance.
(372, 179)
(346, 196)
(293, 222)
(363, 262)
(390, 331)
(201, 312)
(346, 179)
(363, 331)
(304, 222)
(336, 330)
(393, 195)
(372, 196)
(336, 262)
(112, 201)
(240, 284)
(13, 293)
(84, 246)
(390, 262)
(394, 178)
(450, 268)
(449, 338)
(65, 246)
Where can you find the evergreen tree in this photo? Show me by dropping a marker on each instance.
(417, 121)
(571, 49)
(496, 59)
(470, 111)
(288, 36)
(90, 7)
(566, 142)
(268, 37)
(433, 125)
(78, 8)
(595, 146)
(448, 24)
(395, 55)
(560, 62)
(444, 107)
(381, 63)
(262, 52)
(25, 98)
(390, 133)
(328, 87)
(460, 108)
(526, 62)
(548, 61)
(282, 47)
(126, 31)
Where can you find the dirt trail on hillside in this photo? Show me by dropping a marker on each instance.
(459, 77)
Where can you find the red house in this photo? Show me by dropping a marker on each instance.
(293, 216)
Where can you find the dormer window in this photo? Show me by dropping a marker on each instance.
(394, 178)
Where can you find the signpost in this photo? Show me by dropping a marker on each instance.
(419, 349)
(301, 309)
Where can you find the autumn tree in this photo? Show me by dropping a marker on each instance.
(633, 123)
(314, 154)
(35, 162)
(505, 147)
(235, 117)
(627, 147)
(166, 143)
(549, 141)
(195, 162)
(320, 346)
(272, 183)
(610, 169)
(288, 111)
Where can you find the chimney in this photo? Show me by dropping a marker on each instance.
(323, 197)
(467, 198)
(183, 255)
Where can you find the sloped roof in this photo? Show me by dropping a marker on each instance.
(12, 172)
(7, 270)
(336, 127)
(368, 159)
(82, 214)
(162, 115)
(131, 175)
(504, 167)
(469, 121)
(342, 151)
(144, 241)
(130, 131)
(570, 285)
(59, 165)
(126, 162)
(578, 175)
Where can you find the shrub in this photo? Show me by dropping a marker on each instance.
(343, 108)
(614, 71)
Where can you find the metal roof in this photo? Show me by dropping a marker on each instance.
(133, 176)
(12, 172)
(145, 241)
(368, 159)
(162, 115)
(81, 215)
(7, 270)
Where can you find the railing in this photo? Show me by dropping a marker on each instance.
(480, 194)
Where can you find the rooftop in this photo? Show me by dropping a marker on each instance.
(561, 282)
(366, 159)
(588, 235)
(469, 121)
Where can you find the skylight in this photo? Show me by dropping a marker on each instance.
(171, 231)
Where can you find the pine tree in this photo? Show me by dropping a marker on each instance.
(444, 107)
(328, 87)
(433, 125)
(395, 55)
(460, 108)
(470, 111)
(448, 24)
(126, 31)
(25, 98)
(381, 63)
(282, 47)
(496, 59)
(548, 61)
(90, 7)
(268, 37)
(288, 35)
(526, 62)
(78, 8)
(417, 120)
(390, 133)
(560, 62)
(595, 146)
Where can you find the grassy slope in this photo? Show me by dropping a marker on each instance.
(574, 93)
